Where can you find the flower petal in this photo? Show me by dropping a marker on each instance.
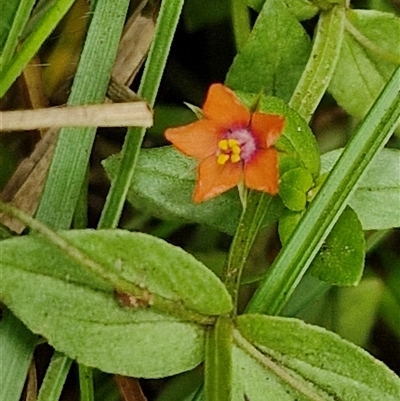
(267, 128)
(214, 179)
(223, 106)
(261, 172)
(198, 139)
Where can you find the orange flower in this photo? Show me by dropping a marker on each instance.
(231, 144)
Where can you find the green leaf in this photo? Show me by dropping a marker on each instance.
(340, 260)
(369, 56)
(79, 313)
(302, 9)
(274, 56)
(377, 197)
(304, 362)
(163, 185)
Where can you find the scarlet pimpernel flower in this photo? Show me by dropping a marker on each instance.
(232, 144)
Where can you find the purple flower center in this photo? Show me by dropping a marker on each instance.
(246, 141)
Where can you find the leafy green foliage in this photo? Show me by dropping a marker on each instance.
(130, 339)
(376, 199)
(369, 56)
(301, 354)
(267, 64)
(340, 260)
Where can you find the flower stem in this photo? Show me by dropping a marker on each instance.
(250, 222)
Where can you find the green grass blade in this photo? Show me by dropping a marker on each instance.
(54, 380)
(19, 20)
(166, 25)
(296, 256)
(10, 72)
(17, 344)
(70, 160)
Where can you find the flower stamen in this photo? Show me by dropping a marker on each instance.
(229, 149)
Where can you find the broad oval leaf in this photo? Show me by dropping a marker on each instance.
(377, 197)
(370, 53)
(163, 186)
(304, 362)
(267, 62)
(79, 314)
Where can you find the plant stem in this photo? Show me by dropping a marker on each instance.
(86, 383)
(250, 222)
(165, 29)
(314, 227)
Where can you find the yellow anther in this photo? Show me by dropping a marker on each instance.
(235, 158)
(223, 144)
(236, 150)
(230, 150)
(233, 143)
(222, 158)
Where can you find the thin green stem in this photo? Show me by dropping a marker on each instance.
(10, 72)
(240, 22)
(314, 227)
(322, 62)
(165, 29)
(86, 383)
(250, 222)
